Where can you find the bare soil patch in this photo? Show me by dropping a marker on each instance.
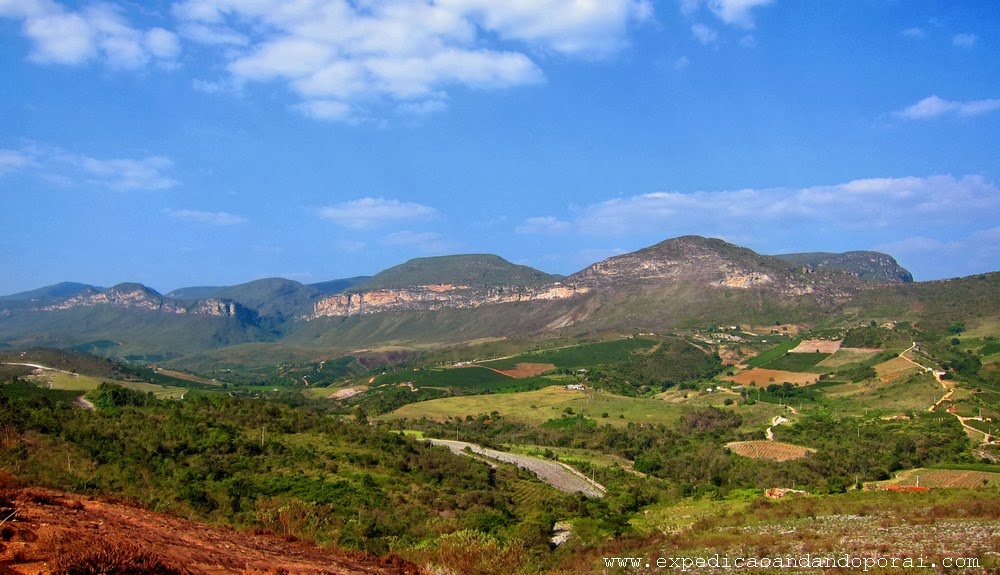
(345, 393)
(770, 450)
(523, 370)
(816, 346)
(764, 377)
(45, 531)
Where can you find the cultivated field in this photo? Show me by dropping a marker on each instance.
(944, 478)
(523, 370)
(816, 346)
(763, 377)
(848, 355)
(770, 450)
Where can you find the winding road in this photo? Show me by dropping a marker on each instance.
(949, 389)
(558, 475)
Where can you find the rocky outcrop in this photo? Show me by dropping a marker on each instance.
(139, 297)
(435, 297)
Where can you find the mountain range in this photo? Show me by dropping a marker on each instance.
(677, 283)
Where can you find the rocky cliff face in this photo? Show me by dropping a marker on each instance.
(435, 297)
(708, 264)
(139, 297)
(715, 264)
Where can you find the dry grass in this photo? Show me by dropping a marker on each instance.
(99, 557)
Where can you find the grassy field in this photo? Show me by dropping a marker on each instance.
(847, 356)
(83, 383)
(895, 369)
(537, 407)
(899, 396)
(578, 356)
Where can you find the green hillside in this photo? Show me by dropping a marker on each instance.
(474, 270)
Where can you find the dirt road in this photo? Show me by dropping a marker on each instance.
(558, 475)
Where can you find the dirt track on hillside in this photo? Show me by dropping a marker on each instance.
(41, 527)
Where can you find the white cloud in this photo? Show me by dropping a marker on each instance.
(704, 34)
(861, 205)
(933, 107)
(211, 218)
(936, 226)
(374, 212)
(97, 31)
(66, 169)
(339, 57)
(913, 32)
(733, 12)
(11, 160)
(544, 225)
(124, 174)
(964, 40)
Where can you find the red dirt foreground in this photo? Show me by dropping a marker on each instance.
(48, 532)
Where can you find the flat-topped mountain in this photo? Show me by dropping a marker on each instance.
(466, 270)
(874, 266)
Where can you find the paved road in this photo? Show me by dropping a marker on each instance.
(558, 475)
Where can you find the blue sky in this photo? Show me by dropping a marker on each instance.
(213, 142)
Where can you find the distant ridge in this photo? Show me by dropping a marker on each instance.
(56, 291)
(678, 283)
(195, 292)
(867, 265)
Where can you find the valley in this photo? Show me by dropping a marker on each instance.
(675, 393)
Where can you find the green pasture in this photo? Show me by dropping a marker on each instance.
(84, 383)
(578, 356)
(538, 406)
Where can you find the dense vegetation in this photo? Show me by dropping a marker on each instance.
(266, 447)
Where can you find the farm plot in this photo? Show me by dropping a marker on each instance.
(816, 346)
(523, 370)
(945, 478)
(770, 450)
(763, 377)
(847, 356)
